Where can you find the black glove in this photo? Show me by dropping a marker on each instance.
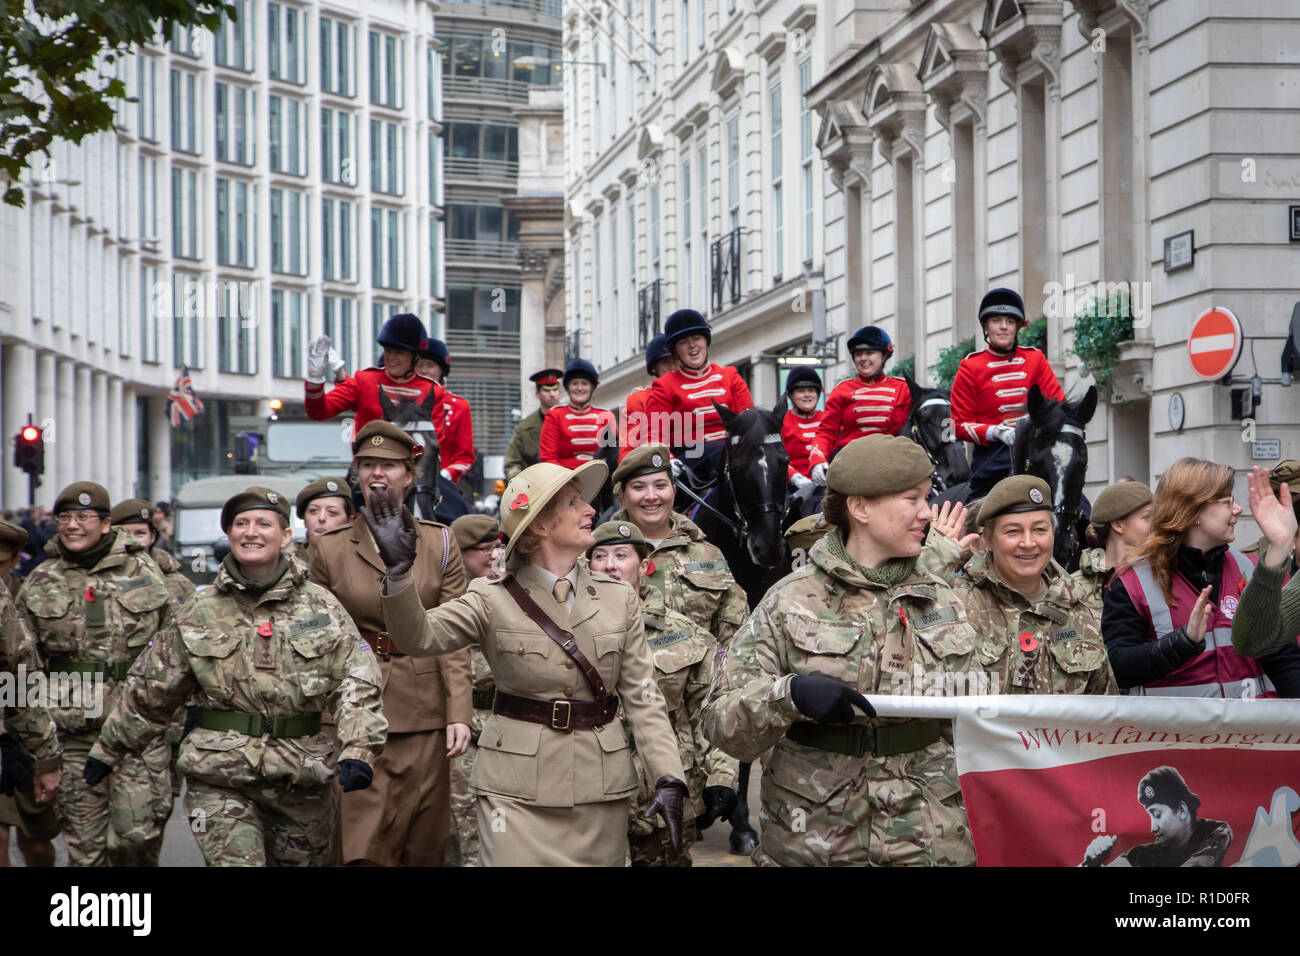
(16, 765)
(827, 700)
(355, 775)
(191, 721)
(670, 794)
(393, 528)
(94, 771)
(721, 802)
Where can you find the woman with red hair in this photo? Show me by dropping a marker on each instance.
(1167, 615)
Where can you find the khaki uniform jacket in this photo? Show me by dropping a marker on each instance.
(178, 585)
(213, 654)
(1052, 647)
(525, 444)
(693, 578)
(420, 693)
(530, 762)
(131, 604)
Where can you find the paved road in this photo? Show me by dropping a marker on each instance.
(179, 848)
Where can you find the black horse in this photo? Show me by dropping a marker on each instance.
(929, 424)
(1051, 444)
(433, 496)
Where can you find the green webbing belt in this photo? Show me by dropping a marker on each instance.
(114, 669)
(255, 725)
(857, 740)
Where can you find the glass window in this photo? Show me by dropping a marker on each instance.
(188, 41)
(146, 92)
(184, 112)
(288, 330)
(339, 235)
(236, 327)
(387, 157)
(188, 305)
(288, 144)
(236, 223)
(387, 238)
(338, 56)
(385, 70)
(778, 213)
(806, 156)
(341, 325)
(289, 231)
(236, 120)
(338, 146)
(234, 39)
(148, 314)
(186, 212)
(733, 170)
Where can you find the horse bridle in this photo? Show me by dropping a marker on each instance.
(915, 434)
(767, 507)
(1062, 512)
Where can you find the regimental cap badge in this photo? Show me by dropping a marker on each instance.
(272, 497)
(1149, 792)
(144, 513)
(83, 499)
(332, 485)
(625, 531)
(1035, 496)
(657, 460)
(376, 439)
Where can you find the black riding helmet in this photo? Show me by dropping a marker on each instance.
(580, 368)
(436, 349)
(803, 376)
(1002, 302)
(656, 351)
(686, 322)
(403, 331)
(872, 338)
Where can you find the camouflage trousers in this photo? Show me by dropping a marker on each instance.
(652, 849)
(119, 821)
(267, 825)
(462, 846)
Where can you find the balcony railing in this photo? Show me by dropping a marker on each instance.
(573, 345)
(726, 270)
(490, 249)
(480, 168)
(482, 340)
(457, 87)
(648, 313)
(546, 8)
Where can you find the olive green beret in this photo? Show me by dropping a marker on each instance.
(878, 465)
(1287, 470)
(806, 532)
(83, 494)
(643, 460)
(324, 488)
(12, 539)
(381, 439)
(474, 529)
(132, 511)
(250, 499)
(1166, 785)
(1119, 501)
(1015, 494)
(619, 532)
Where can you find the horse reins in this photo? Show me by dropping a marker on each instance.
(768, 507)
(917, 436)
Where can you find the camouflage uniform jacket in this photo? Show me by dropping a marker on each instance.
(105, 613)
(178, 585)
(32, 725)
(685, 657)
(1052, 647)
(942, 556)
(300, 551)
(1091, 575)
(693, 578)
(216, 654)
(818, 806)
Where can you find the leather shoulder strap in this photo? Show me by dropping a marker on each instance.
(558, 635)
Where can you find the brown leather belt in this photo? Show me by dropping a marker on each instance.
(383, 644)
(563, 715)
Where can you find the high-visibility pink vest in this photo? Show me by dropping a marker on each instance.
(1217, 671)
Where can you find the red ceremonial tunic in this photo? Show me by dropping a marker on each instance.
(571, 437)
(799, 432)
(454, 428)
(991, 389)
(359, 394)
(683, 395)
(857, 407)
(634, 428)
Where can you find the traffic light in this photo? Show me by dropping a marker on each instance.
(29, 451)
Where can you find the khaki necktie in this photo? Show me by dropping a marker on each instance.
(561, 592)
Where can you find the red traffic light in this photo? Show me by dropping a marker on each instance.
(31, 433)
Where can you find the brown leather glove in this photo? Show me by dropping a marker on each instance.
(670, 794)
(394, 530)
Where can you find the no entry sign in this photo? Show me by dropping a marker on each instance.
(1214, 344)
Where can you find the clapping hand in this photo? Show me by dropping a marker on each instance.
(1200, 616)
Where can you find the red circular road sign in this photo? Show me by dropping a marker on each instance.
(1214, 343)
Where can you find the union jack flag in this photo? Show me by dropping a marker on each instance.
(182, 402)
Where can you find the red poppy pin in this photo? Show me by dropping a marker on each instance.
(650, 569)
(90, 595)
(1028, 643)
(520, 502)
(264, 629)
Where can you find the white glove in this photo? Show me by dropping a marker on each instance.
(677, 466)
(800, 481)
(318, 360)
(335, 364)
(819, 473)
(1003, 433)
(445, 473)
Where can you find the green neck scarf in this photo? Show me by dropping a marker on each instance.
(247, 583)
(887, 575)
(88, 559)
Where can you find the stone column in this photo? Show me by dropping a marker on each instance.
(120, 475)
(18, 371)
(160, 450)
(65, 388)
